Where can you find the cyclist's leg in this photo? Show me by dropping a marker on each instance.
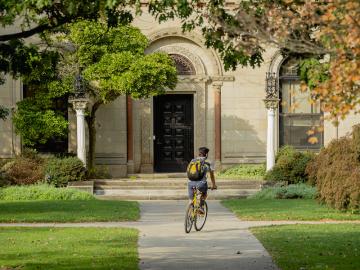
(203, 187)
(191, 186)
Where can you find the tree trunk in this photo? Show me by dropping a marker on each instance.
(90, 119)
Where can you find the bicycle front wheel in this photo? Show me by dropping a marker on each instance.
(201, 218)
(189, 218)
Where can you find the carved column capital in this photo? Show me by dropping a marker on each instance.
(271, 103)
(217, 86)
(79, 104)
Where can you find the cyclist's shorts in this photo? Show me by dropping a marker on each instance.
(201, 185)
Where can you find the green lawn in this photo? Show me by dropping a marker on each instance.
(68, 248)
(68, 211)
(293, 209)
(335, 246)
(243, 172)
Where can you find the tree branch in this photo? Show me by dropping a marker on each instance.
(35, 30)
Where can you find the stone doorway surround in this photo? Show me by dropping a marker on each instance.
(207, 76)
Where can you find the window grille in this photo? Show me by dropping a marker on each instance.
(298, 115)
(183, 65)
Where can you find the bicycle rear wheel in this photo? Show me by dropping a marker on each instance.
(189, 218)
(201, 218)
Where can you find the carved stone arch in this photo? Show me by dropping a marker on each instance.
(193, 37)
(187, 55)
(276, 62)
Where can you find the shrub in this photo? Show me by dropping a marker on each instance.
(336, 172)
(290, 166)
(246, 171)
(60, 171)
(25, 169)
(42, 192)
(295, 191)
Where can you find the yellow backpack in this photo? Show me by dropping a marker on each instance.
(196, 169)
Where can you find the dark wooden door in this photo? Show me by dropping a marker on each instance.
(173, 131)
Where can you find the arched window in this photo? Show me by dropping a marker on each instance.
(183, 65)
(299, 118)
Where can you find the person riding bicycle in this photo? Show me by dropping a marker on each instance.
(200, 180)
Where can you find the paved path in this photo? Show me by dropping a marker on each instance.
(222, 244)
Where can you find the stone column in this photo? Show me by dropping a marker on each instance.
(270, 149)
(217, 116)
(271, 104)
(80, 106)
(130, 134)
(146, 137)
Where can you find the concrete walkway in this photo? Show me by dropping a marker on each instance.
(222, 244)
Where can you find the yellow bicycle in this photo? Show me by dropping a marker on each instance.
(194, 215)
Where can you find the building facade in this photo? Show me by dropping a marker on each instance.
(210, 107)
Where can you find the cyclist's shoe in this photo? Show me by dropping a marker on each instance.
(201, 211)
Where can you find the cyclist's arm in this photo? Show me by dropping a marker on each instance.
(212, 177)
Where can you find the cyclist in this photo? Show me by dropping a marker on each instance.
(202, 183)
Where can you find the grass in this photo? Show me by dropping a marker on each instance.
(285, 209)
(335, 247)
(68, 248)
(243, 172)
(42, 192)
(68, 211)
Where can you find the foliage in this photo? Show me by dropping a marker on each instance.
(4, 112)
(37, 125)
(38, 16)
(326, 32)
(320, 246)
(68, 211)
(295, 191)
(244, 171)
(42, 192)
(113, 60)
(37, 118)
(63, 248)
(23, 170)
(290, 166)
(60, 171)
(291, 209)
(336, 173)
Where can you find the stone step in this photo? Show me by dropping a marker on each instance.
(158, 187)
(157, 175)
(169, 188)
(171, 182)
(169, 194)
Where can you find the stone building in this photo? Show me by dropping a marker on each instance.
(222, 110)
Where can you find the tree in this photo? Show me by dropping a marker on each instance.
(4, 112)
(37, 118)
(38, 16)
(25, 19)
(113, 61)
(326, 32)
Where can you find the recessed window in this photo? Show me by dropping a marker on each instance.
(300, 118)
